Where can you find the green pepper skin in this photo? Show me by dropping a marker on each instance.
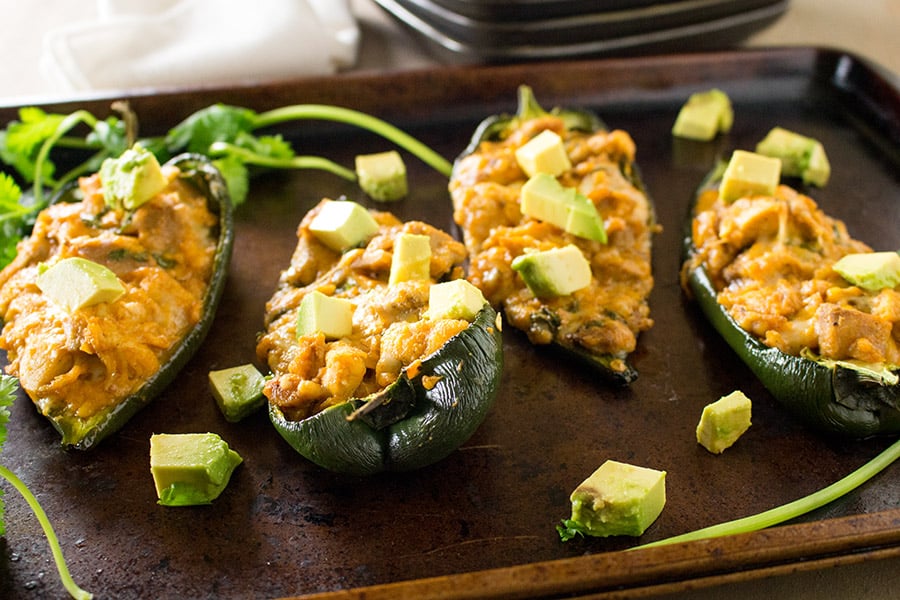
(498, 127)
(831, 400)
(465, 373)
(85, 434)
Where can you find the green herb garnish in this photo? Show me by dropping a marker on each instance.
(17, 215)
(8, 386)
(568, 529)
(229, 135)
(794, 509)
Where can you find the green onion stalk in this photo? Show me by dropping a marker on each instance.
(791, 510)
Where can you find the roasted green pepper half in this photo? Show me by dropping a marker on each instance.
(426, 414)
(615, 366)
(85, 433)
(829, 397)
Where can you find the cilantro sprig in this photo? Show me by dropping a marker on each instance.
(8, 387)
(233, 137)
(16, 217)
(569, 529)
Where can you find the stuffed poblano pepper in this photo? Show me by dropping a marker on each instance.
(813, 312)
(558, 226)
(115, 289)
(383, 358)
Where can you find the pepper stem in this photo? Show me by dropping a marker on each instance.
(528, 104)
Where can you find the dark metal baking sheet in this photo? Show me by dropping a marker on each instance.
(481, 523)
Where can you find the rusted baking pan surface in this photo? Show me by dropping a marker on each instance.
(285, 527)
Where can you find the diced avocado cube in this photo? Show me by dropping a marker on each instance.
(584, 221)
(382, 176)
(544, 198)
(789, 147)
(131, 179)
(544, 153)
(77, 283)
(695, 122)
(704, 115)
(341, 225)
(619, 499)
(800, 156)
(871, 271)
(749, 174)
(554, 272)
(328, 315)
(818, 169)
(238, 391)
(456, 299)
(190, 468)
(411, 259)
(724, 421)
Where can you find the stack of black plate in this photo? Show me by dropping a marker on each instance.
(535, 29)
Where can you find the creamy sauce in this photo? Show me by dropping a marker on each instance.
(389, 335)
(89, 360)
(604, 318)
(770, 259)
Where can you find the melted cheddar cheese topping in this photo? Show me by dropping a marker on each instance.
(389, 334)
(604, 318)
(89, 360)
(770, 260)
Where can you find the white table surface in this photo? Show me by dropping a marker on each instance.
(867, 28)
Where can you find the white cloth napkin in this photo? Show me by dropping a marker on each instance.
(172, 43)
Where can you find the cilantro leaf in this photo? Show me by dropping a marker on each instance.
(10, 192)
(271, 146)
(109, 135)
(236, 177)
(17, 212)
(216, 123)
(569, 529)
(21, 142)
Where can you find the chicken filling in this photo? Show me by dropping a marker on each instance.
(770, 260)
(89, 360)
(312, 373)
(606, 317)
